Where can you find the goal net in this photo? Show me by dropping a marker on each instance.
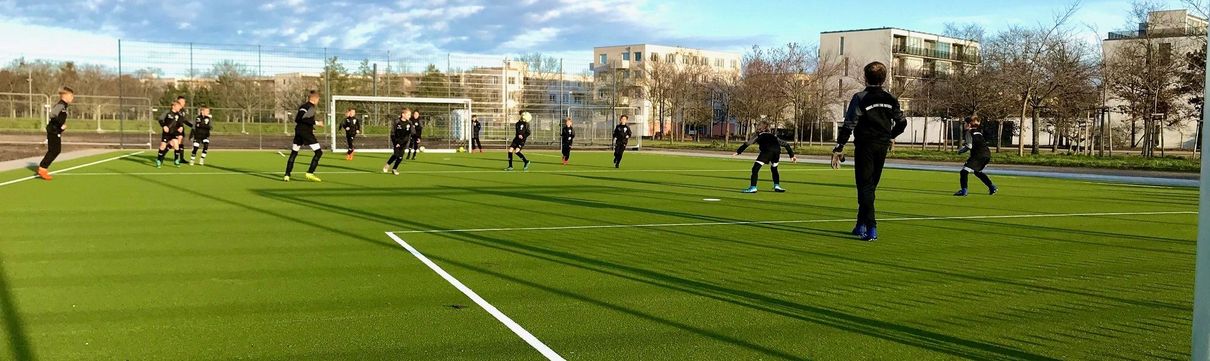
(446, 122)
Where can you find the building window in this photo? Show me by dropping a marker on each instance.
(638, 56)
(604, 59)
(734, 64)
(552, 98)
(626, 56)
(512, 81)
(655, 57)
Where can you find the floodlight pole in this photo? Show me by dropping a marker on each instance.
(1201, 287)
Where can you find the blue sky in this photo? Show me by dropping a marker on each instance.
(88, 29)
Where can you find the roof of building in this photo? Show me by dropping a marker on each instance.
(666, 46)
(891, 28)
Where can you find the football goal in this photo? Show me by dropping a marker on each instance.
(446, 122)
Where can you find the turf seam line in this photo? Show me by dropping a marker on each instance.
(455, 172)
(894, 219)
(500, 316)
(19, 180)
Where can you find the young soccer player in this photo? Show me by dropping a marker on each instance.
(621, 137)
(522, 135)
(55, 126)
(178, 155)
(304, 135)
(417, 129)
(980, 156)
(401, 134)
(352, 127)
(874, 118)
(476, 128)
(566, 136)
(770, 153)
(201, 134)
(170, 124)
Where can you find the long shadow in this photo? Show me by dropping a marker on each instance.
(14, 325)
(244, 172)
(871, 327)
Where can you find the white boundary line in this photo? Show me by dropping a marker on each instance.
(19, 180)
(899, 219)
(737, 170)
(500, 316)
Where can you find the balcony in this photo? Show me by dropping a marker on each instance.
(1156, 33)
(914, 73)
(935, 54)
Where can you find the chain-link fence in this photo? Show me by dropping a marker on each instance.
(253, 90)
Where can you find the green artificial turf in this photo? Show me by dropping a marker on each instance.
(120, 260)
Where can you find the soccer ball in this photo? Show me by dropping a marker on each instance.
(461, 150)
(422, 149)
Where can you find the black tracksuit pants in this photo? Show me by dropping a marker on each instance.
(868, 162)
(54, 145)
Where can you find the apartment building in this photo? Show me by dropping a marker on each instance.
(617, 71)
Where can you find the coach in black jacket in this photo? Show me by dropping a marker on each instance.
(874, 118)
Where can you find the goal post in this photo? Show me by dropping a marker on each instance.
(446, 122)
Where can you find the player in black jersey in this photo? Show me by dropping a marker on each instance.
(476, 128)
(566, 136)
(170, 126)
(352, 127)
(414, 137)
(178, 154)
(55, 126)
(874, 118)
(621, 138)
(980, 156)
(201, 134)
(770, 153)
(521, 135)
(304, 136)
(401, 134)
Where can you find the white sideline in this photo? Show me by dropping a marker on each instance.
(898, 219)
(737, 170)
(500, 316)
(19, 180)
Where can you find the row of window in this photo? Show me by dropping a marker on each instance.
(603, 59)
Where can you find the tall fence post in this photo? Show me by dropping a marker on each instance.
(121, 102)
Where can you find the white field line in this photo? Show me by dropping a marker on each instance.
(19, 180)
(693, 224)
(500, 316)
(737, 170)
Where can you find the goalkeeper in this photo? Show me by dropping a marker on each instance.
(980, 156)
(770, 153)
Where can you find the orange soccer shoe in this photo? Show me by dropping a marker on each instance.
(44, 174)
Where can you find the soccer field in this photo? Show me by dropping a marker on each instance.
(119, 260)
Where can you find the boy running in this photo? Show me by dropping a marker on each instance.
(201, 134)
(770, 153)
(874, 118)
(304, 135)
(414, 142)
(401, 132)
(55, 126)
(621, 137)
(980, 156)
(566, 136)
(352, 128)
(170, 124)
(522, 135)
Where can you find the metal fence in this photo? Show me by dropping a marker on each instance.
(253, 90)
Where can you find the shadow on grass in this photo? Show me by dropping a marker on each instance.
(14, 325)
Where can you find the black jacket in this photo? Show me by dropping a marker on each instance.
(769, 144)
(476, 127)
(305, 119)
(58, 117)
(400, 131)
(522, 130)
(567, 135)
(621, 134)
(874, 117)
(351, 126)
(976, 144)
(201, 127)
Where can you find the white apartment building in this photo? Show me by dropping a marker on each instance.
(1173, 33)
(627, 61)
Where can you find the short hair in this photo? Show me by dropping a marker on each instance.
(474, 116)
(764, 124)
(350, 109)
(204, 106)
(974, 119)
(180, 97)
(875, 73)
(568, 119)
(406, 110)
(66, 90)
(312, 93)
(624, 116)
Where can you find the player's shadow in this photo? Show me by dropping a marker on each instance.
(14, 324)
(244, 172)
